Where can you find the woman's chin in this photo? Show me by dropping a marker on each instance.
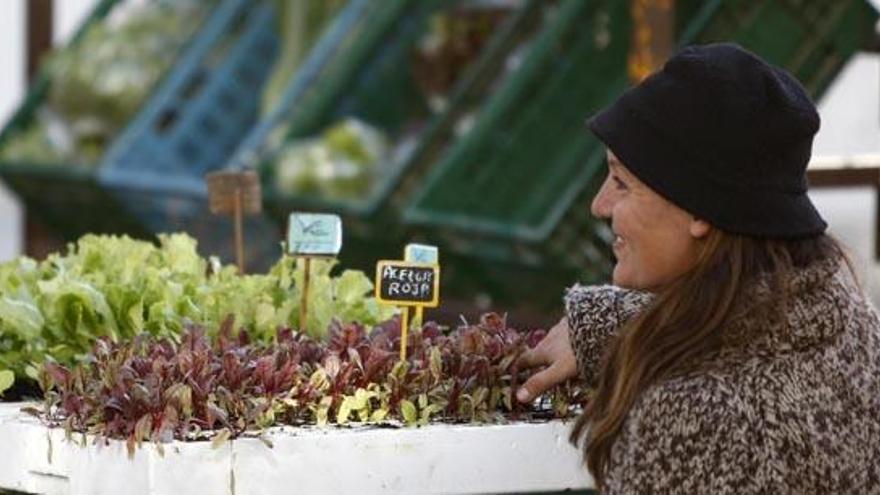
(626, 279)
(621, 278)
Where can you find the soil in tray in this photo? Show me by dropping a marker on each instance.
(22, 390)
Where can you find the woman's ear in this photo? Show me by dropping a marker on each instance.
(699, 228)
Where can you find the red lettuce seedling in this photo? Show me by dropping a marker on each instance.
(154, 389)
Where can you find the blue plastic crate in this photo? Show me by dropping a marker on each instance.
(201, 111)
(338, 34)
(191, 125)
(150, 178)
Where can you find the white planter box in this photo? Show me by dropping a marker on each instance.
(518, 457)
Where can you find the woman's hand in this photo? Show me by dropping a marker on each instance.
(554, 352)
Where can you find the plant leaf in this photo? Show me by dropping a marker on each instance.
(7, 378)
(408, 411)
(220, 438)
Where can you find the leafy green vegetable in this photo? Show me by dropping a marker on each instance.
(341, 163)
(31, 144)
(7, 378)
(341, 298)
(100, 82)
(118, 287)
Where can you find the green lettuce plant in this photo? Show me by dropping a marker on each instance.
(117, 287)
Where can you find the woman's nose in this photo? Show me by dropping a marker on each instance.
(601, 206)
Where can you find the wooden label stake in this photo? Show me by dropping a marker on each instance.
(236, 193)
(312, 235)
(304, 299)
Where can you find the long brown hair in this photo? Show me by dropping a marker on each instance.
(686, 324)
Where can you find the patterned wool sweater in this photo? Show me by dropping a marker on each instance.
(795, 411)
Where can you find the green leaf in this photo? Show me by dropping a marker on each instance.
(266, 441)
(143, 428)
(435, 362)
(322, 410)
(495, 398)
(409, 412)
(220, 438)
(32, 372)
(480, 396)
(344, 410)
(364, 396)
(77, 307)
(466, 407)
(181, 395)
(20, 317)
(319, 380)
(7, 378)
(179, 251)
(379, 415)
(427, 412)
(352, 286)
(399, 370)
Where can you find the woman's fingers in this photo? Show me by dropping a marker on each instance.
(540, 382)
(555, 352)
(533, 358)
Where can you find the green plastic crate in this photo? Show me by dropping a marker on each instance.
(515, 193)
(365, 73)
(43, 186)
(369, 77)
(813, 39)
(149, 179)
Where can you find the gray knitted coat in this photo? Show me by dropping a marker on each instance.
(795, 411)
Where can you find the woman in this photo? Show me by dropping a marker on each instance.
(735, 351)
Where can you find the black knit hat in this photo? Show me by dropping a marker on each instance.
(725, 136)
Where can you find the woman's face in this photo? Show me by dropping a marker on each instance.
(654, 240)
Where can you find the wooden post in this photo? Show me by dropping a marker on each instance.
(239, 236)
(304, 300)
(39, 34)
(653, 36)
(236, 193)
(404, 331)
(39, 240)
(418, 318)
(846, 173)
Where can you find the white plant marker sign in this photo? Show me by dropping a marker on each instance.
(312, 235)
(421, 253)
